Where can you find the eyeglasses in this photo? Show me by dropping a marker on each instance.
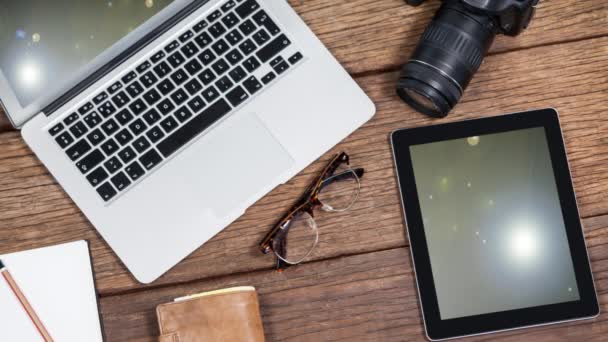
(296, 235)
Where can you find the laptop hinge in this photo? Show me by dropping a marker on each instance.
(125, 55)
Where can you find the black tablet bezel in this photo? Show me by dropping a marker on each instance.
(436, 328)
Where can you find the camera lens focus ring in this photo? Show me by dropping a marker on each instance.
(457, 42)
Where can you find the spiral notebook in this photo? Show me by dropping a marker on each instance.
(58, 284)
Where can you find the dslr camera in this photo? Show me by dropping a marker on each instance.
(453, 47)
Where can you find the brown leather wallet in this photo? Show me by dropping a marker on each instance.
(223, 315)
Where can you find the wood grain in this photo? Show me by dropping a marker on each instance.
(367, 297)
(571, 77)
(371, 35)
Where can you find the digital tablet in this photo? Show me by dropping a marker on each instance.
(493, 224)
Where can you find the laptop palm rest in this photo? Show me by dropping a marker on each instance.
(236, 164)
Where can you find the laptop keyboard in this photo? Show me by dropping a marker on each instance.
(152, 111)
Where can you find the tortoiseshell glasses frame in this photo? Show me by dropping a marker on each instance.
(275, 240)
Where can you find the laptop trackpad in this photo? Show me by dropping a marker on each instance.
(238, 161)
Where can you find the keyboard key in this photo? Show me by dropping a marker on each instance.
(134, 89)
(210, 94)
(56, 129)
(189, 50)
(114, 88)
(129, 77)
(123, 137)
(216, 30)
(109, 127)
(106, 191)
(162, 69)
(152, 116)
(155, 134)
(230, 20)
(220, 67)
(247, 8)
(251, 64)
(193, 86)
(201, 25)
(152, 96)
(107, 109)
(220, 47)
(109, 147)
(252, 85)
(207, 77)
(169, 124)
(127, 154)
(262, 19)
(172, 46)
(113, 165)
(79, 129)
(96, 137)
(237, 74)
(135, 171)
(179, 77)
(137, 107)
(261, 37)
(185, 36)
(78, 150)
(64, 139)
(214, 16)
(121, 181)
(150, 159)
(141, 144)
(295, 58)
(124, 116)
(165, 107)
(206, 57)
(100, 98)
(203, 40)
(193, 128)
(120, 99)
(234, 57)
(97, 176)
(193, 67)
(70, 119)
(269, 77)
(273, 48)
(237, 96)
(248, 47)
(179, 96)
(228, 6)
(90, 161)
(158, 57)
(148, 79)
(138, 127)
(224, 83)
(176, 59)
(143, 67)
(234, 37)
(165, 87)
(281, 67)
(247, 27)
(183, 114)
(85, 108)
(196, 104)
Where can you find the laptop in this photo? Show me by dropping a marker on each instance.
(165, 120)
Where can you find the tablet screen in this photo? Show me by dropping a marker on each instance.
(493, 223)
(43, 43)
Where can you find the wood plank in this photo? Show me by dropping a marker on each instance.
(34, 211)
(367, 35)
(369, 297)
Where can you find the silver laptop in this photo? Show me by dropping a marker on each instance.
(165, 120)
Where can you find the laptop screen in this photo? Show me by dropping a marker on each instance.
(43, 43)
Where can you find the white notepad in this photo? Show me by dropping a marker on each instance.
(58, 283)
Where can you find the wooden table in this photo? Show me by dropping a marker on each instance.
(359, 284)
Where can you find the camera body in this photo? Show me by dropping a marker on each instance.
(453, 47)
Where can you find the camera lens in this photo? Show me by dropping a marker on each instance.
(448, 55)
